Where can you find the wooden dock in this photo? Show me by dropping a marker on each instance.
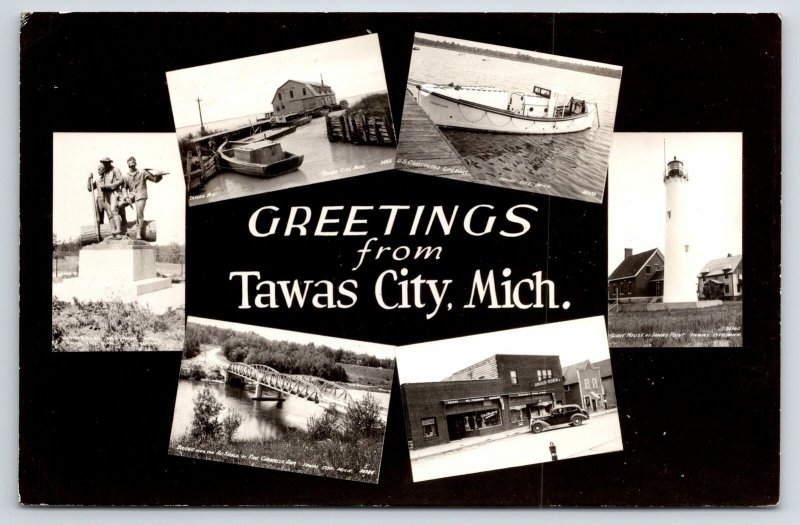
(423, 148)
(360, 128)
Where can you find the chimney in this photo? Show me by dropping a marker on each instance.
(628, 252)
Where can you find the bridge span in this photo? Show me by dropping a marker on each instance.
(306, 387)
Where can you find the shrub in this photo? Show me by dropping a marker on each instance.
(320, 428)
(206, 425)
(363, 418)
(230, 423)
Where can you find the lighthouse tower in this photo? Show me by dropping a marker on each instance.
(679, 284)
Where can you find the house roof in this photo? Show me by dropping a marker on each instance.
(717, 266)
(312, 86)
(605, 367)
(571, 371)
(632, 265)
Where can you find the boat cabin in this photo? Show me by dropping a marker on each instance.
(261, 152)
(545, 103)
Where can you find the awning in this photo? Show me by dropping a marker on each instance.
(594, 395)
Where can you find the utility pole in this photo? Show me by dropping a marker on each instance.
(202, 127)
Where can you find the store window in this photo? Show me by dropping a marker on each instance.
(514, 377)
(483, 419)
(429, 428)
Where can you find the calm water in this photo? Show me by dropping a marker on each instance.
(570, 165)
(262, 419)
(323, 161)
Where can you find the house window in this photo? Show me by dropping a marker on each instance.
(727, 289)
(538, 375)
(513, 377)
(657, 266)
(594, 382)
(669, 214)
(291, 93)
(566, 388)
(280, 97)
(686, 247)
(429, 428)
(586, 383)
(739, 287)
(549, 374)
(647, 269)
(304, 91)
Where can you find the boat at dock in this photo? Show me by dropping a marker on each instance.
(482, 108)
(258, 158)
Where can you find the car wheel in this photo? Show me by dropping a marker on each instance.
(536, 428)
(576, 421)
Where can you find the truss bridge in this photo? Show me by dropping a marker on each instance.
(310, 388)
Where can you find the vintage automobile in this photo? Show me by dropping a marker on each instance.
(559, 415)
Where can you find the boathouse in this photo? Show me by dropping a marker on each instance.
(300, 96)
(721, 279)
(496, 394)
(638, 275)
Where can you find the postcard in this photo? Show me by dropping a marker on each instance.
(508, 117)
(117, 280)
(675, 240)
(282, 400)
(506, 399)
(279, 120)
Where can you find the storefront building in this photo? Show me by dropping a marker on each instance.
(496, 394)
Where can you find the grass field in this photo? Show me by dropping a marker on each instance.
(366, 375)
(714, 326)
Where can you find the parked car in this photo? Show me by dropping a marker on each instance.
(559, 415)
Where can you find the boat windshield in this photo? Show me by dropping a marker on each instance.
(542, 92)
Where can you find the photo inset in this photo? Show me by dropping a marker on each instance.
(284, 119)
(675, 240)
(508, 117)
(117, 280)
(506, 399)
(282, 400)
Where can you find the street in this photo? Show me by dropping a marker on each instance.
(598, 435)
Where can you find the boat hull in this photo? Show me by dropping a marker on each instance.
(448, 112)
(290, 163)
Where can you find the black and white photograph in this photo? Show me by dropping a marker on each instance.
(284, 119)
(506, 399)
(675, 240)
(283, 400)
(117, 280)
(508, 117)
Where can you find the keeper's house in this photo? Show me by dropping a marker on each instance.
(300, 96)
(638, 275)
(721, 279)
(493, 395)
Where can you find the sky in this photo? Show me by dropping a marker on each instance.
(76, 155)
(245, 86)
(361, 347)
(637, 197)
(573, 341)
(513, 50)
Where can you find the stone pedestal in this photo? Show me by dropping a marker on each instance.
(119, 269)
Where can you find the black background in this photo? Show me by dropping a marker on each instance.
(700, 425)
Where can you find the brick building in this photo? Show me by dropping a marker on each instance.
(496, 394)
(583, 386)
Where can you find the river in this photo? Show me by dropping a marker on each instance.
(323, 161)
(262, 419)
(572, 165)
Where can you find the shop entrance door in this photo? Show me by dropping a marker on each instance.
(455, 427)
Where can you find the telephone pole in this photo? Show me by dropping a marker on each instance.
(202, 127)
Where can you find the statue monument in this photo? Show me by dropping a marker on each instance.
(116, 260)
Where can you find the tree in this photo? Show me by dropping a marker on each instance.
(230, 423)
(206, 425)
(363, 418)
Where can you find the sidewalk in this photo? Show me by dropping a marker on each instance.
(470, 442)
